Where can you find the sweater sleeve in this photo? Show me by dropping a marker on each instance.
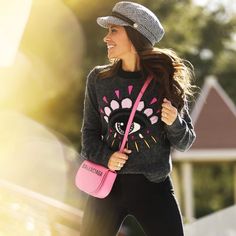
(181, 133)
(93, 146)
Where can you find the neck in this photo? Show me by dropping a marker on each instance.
(131, 63)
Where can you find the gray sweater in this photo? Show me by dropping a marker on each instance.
(108, 103)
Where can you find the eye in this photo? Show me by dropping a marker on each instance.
(113, 30)
(120, 127)
(119, 121)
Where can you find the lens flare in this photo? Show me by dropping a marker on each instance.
(14, 15)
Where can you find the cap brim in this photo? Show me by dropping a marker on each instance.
(105, 21)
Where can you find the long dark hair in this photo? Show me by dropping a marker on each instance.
(173, 74)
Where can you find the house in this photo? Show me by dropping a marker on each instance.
(214, 118)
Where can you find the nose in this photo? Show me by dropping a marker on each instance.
(106, 38)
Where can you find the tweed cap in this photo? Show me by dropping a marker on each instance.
(136, 16)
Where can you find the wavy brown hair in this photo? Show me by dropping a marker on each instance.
(173, 74)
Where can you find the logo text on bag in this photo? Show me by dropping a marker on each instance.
(92, 169)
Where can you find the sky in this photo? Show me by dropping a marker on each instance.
(212, 4)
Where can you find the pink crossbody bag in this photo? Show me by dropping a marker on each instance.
(97, 180)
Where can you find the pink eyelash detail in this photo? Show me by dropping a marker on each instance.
(105, 99)
(154, 100)
(117, 92)
(130, 88)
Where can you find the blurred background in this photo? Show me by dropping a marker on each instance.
(47, 49)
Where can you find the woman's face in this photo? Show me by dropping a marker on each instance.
(118, 44)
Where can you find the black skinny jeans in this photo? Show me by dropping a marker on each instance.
(152, 204)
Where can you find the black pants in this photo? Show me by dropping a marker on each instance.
(152, 204)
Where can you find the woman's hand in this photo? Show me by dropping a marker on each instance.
(168, 113)
(118, 159)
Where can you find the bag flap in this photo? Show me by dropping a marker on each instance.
(90, 176)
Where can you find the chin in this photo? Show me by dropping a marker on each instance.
(110, 57)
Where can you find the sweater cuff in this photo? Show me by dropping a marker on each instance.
(176, 125)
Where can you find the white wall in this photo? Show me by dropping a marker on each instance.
(222, 223)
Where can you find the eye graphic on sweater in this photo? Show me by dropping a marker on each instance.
(120, 127)
(116, 113)
(119, 120)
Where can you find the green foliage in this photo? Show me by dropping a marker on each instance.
(193, 32)
(213, 184)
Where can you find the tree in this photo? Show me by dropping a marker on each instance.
(201, 36)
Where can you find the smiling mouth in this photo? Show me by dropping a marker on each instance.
(110, 46)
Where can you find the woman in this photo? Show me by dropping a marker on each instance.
(143, 186)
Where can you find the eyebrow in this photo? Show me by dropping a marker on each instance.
(113, 26)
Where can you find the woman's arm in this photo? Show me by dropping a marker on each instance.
(179, 129)
(93, 146)
(181, 132)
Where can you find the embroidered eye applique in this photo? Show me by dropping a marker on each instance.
(116, 114)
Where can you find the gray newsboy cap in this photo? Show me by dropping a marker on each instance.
(137, 16)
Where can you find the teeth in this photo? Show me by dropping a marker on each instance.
(110, 46)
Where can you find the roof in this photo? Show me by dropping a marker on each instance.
(214, 119)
